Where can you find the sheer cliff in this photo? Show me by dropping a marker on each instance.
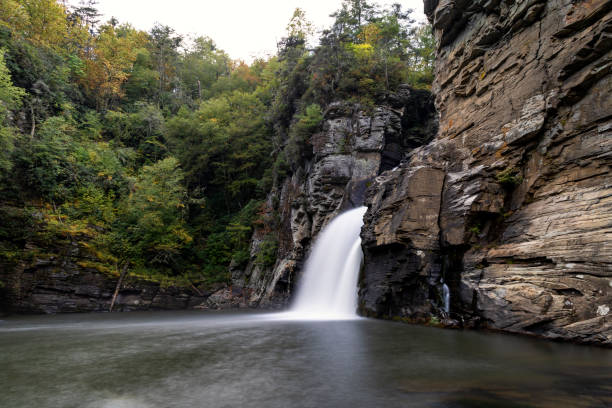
(511, 204)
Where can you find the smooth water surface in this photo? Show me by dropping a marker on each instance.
(208, 359)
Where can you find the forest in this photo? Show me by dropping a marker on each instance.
(155, 151)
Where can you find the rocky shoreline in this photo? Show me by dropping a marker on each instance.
(60, 285)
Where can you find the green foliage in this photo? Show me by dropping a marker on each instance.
(368, 52)
(43, 164)
(225, 149)
(16, 229)
(7, 140)
(281, 167)
(142, 84)
(49, 77)
(93, 205)
(59, 161)
(142, 130)
(10, 99)
(300, 133)
(217, 255)
(10, 95)
(509, 177)
(164, 47)
(157, 152)
(204, 71)
(231, 244)
(150, 228)
(422, 46)
(266, 257)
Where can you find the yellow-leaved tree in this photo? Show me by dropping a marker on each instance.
(43, 22)
(114, 52)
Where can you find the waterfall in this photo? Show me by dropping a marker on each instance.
(328, 287)
(446, 295)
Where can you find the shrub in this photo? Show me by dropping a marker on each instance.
(267, 252)
(509, 177)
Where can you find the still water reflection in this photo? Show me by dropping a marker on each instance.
(253, 360)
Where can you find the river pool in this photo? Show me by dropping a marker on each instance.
(231, 359)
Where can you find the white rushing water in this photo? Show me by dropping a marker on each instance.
(328, 287)
(446, 295)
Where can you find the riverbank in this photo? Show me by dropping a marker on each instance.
(64, 285)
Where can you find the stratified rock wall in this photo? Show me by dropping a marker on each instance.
(67, 276)
(511, 204)
(353, 147)
(61, 284)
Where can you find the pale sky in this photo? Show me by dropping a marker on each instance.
(243, 28)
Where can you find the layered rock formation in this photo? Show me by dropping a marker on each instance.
(511, 204)
(68, 278)
(353, 147)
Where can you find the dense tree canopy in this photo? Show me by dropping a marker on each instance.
(155, 151)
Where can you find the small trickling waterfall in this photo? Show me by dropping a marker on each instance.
(328, 289)
(446, 295)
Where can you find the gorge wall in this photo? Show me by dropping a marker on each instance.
(354, 146)
(511, 204)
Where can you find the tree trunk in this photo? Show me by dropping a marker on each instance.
(196, 289)
(160, 68)
(33, 121)
(118, 287)
(387, 73)
(57, 214)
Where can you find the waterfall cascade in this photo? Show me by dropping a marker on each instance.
(328, 288)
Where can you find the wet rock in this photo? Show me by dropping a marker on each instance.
(401, 243)
(223, 299)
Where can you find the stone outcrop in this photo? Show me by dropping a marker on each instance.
(68, 282)
(401, 242)
(511, 204)
(353, 147)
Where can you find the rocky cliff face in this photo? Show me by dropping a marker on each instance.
(354, 146)
(511, 203)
